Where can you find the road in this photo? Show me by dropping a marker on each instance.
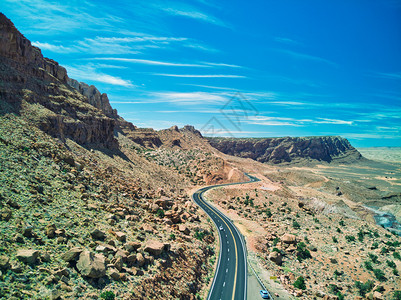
(230, 279)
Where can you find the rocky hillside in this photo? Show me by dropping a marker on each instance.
(90, 205)
(289, 149)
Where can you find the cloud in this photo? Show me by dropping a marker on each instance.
(286, 41)
(396, 75)
(50, 47)
(51, 17)
(307, 57)
(150, 62)
(199, 76)
(192, 98)
(192, 13)
(332, 121)
(91, 74)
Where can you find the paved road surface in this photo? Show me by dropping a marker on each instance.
(230, 279)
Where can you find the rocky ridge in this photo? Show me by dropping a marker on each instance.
(289, 149)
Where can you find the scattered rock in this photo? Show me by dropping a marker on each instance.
(276, 257)
(132, 246)
(91, 265)
(154, 247)
(140, 259)
(184, 229)
(289, 239)
(98, 235)
(72, 254)
(28, 256)
(4, 262)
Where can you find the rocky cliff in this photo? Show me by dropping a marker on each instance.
(39, 89)
(289, 149)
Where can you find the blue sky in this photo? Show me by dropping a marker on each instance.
(234, 68)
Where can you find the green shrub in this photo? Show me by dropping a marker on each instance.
(300, 283)
(160, 213)
(342, 223)
(384, 250)
(268, 212)
(275, 241)
(334, 239)
(199, 235)
(374, 258)
(296, 225)
(350, 238)
(172, 236)
(302, 252)
(375, 245)
(360, 235)
(364, 288)
(368, 265)
(391, 264)
(339, 230)
(108, 295)
(397, 255)
(379, 275)
(397, 295)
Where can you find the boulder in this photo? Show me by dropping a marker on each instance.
(140, 259)
(377, 296)
(98, 235)
(276, 257)
(132, 246)
(71, 254)
(183, 228)
(28, 256)
(154, 247)
(289, 239)
(4, 262)
(121, 236)
(91, 265)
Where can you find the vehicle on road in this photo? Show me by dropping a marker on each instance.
(265, 294)
(221, 227)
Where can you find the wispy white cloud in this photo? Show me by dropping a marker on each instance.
(52, 17)
(221, 65)
(51, 47)
(332, 121)
(189, 98)
(191, 12)
(88, 73)
(199, 76)
(285, 40)
(396, 75)
(307, 57)
(150, 62)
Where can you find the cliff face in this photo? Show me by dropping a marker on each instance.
(289, 149)
(37, 88)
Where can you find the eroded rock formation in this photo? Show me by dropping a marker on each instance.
(289, 149)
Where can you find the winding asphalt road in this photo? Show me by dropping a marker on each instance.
(230, 279)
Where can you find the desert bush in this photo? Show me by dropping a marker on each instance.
(302, 252)
(300, 283)
(397, 255)
(374, 258)
(391, 264)
(268, 212)
(368, 265)
(350, 238)
(334, 239)
(375, 245)
(397, 295)
(364, 288)
(296, 225)
(108, 295)
(379, 275)
(342, 223)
